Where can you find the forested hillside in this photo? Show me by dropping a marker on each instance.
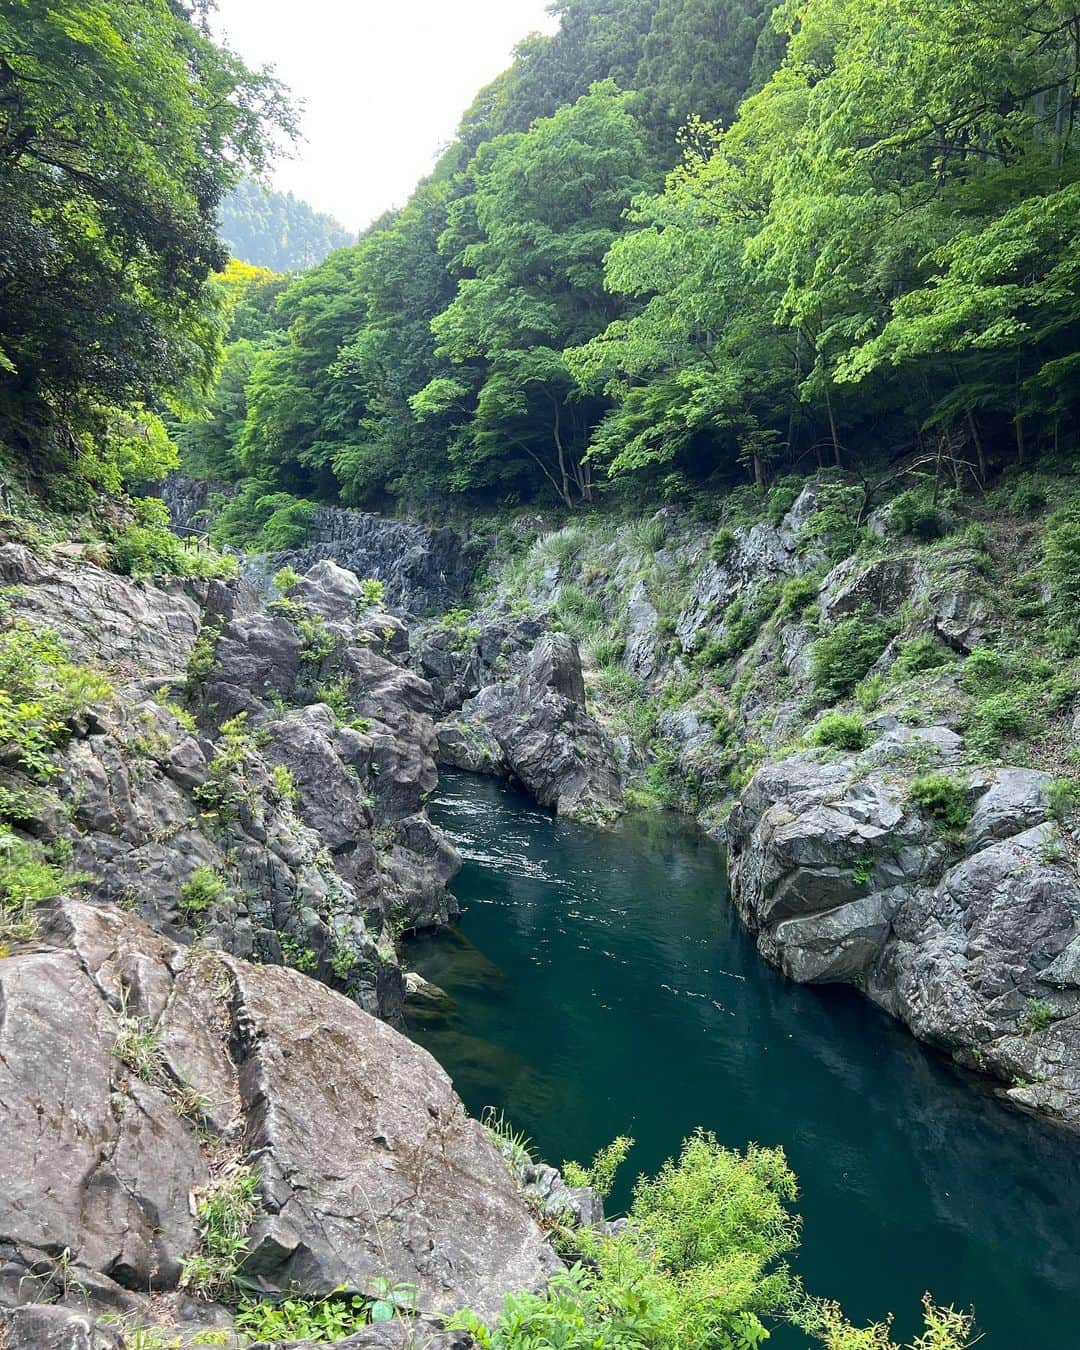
(122, 127)
(277, 229)
(682, 244)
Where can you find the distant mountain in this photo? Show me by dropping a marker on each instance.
(278, 230)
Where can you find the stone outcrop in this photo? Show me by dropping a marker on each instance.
(308, 818)
(536, 730)
(423, 570)
(137, 1074)
(972, 941)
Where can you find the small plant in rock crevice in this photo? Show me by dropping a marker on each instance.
(372, 593)
(1037, 1015)
(225, 1213)
(944, 799)
(137, 1044)
(203, 889)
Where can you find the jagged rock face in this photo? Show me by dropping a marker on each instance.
(423, 570)
(190, 501)
(537, 730)
(321, 867)
(368, 1166)
(842, 877)
(459, 663)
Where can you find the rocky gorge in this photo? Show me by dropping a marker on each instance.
(710, 683)
(243, 792)
(249, 792)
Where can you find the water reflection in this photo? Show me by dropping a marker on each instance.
(601, 984)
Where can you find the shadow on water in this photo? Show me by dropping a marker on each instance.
(601, 984)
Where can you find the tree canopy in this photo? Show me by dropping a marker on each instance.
(686, 242)
(121, 127)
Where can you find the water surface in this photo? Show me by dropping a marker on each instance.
(602, 985)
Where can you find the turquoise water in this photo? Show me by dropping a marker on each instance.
(601, 985)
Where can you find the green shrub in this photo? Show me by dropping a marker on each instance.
(203, 888)
(840, 731)
(832, 528)
(600, 1174)
(1028, 495)
(943, 798)
(1063, 798)
(868, 692)
(330, 1318)
(201, 659)
(976, 537)
(698, 1266)
(1037, 1016)
(992, 719)
(916, 513)
(283, 785)
(743, 620)
(227, 788)
(285, 578)
(723, 541)
(26, 881)
(921, 654)
(1061, 568)
(316, 641)
(782, 497)
(840, 658)
(259, 518)
(945, 1328)
(372, 592)
(154, 551)
(41, 690)
(798, 594)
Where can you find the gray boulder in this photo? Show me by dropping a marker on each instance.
(368, 1166)
(971, 941)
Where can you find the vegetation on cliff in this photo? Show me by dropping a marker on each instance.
(864, 254)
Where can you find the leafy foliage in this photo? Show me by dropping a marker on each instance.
(121, 126)
(697, 1266)
(842, 656)
(944, 799)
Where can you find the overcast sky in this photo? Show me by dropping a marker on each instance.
(383, 83)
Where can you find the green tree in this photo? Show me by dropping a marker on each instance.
(529, 243)
(121, 126)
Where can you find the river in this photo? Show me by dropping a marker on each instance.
(603, 985)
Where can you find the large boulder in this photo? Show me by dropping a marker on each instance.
(972, 940)
(135, 1072)
(538, 731)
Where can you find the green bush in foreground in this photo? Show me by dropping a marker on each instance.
(699, 1265)
(840, 658)
(943, 798)
(840, 731)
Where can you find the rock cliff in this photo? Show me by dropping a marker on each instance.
(789, 675)
(141, 1078)
(258, 780)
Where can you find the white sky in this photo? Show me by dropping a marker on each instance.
(383, 83)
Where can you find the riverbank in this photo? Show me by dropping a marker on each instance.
(601, 983)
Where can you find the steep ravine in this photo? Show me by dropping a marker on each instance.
(709, 686)
(248, 795)
(609, 663)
